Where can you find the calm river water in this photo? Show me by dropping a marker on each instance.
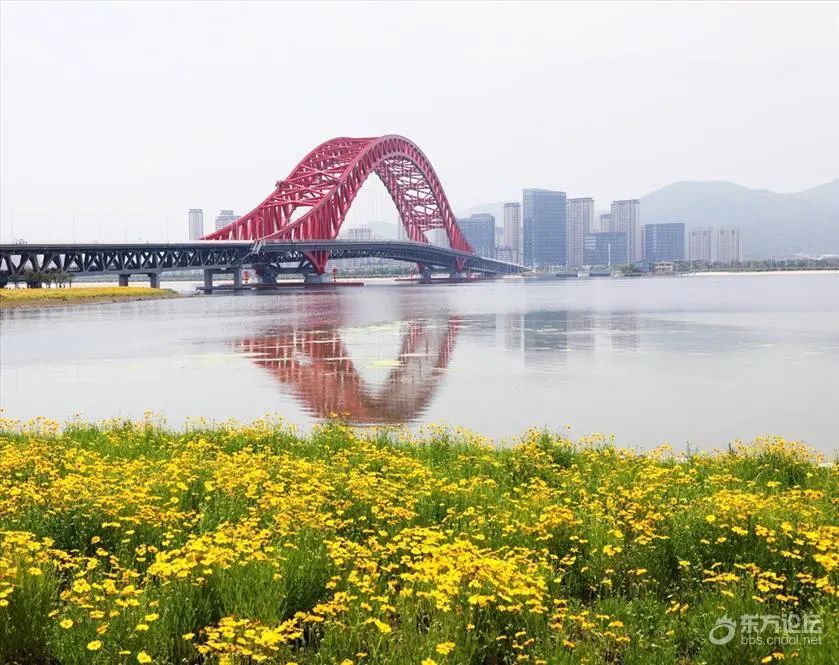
(697, 360)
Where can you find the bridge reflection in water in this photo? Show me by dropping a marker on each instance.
(316, 364)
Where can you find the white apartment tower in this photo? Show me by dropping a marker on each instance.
(579, 220)
(626, 218)
(715, 245)
(729, 245)
(701, 245)
(196, 223)
(512, 230)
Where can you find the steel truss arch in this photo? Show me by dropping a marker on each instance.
(324, 184)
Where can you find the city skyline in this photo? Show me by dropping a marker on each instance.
(634, 242)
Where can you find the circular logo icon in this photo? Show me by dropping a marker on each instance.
(723, 631)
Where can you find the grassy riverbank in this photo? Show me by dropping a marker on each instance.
(66, 296)
(130, 543)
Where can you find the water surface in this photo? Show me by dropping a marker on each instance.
(697, 360)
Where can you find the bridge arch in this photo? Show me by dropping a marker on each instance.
(324, 184)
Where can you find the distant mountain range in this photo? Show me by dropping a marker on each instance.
(773, 225)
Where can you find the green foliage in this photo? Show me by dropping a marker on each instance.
(125, 541)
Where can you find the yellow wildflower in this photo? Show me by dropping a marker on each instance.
(445, 648)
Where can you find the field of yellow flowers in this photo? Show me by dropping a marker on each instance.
(131, 543)
(38, 297)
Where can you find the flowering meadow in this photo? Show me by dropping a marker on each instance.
(35, 297)
(129, 542)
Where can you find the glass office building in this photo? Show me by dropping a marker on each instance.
(544, 228)
(606, 249)
(664, 242)
(479, 230)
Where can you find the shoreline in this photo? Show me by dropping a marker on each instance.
(67, 297)
(798, 271)
(51, 298)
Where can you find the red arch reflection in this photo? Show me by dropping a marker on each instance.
(315, 363)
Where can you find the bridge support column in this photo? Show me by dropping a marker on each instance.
(315, 278)
(123, 280)
(154, 280)
(265, 274)
(208, 281)
(237, 279)
(425, 275)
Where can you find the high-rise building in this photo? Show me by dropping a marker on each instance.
(701, 245)
(606, 223)
(543, 237)
(224, 218)
(579, 218)
(626, 218)
(504, 253)
(479, 230)
(512, 231)
(729, 245)
(717, 245)
(196, 223)
(605, 249)
(499, 237)
(664, 242)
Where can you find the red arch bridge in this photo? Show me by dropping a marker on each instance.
(295, 229)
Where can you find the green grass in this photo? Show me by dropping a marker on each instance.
(250, 543)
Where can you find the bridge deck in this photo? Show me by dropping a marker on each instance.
(19, 260)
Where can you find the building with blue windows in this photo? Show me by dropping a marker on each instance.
(479, 230)
(544, 228)
(605, 249)
(664, 242)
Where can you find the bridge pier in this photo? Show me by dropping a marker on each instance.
(237, 279)
(123, 279)
(154, 280)
(208, 281)
(315, 278)
(265, 274)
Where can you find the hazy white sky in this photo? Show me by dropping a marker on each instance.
(121, 116)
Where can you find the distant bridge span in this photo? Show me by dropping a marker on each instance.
(19, 261)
